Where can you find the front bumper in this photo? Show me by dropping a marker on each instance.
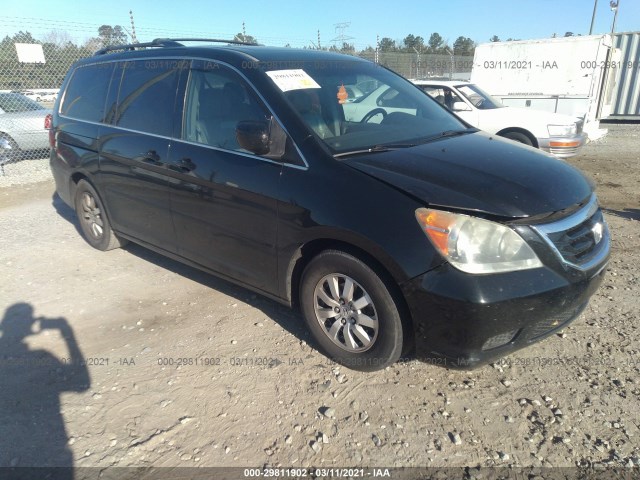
(463, 321)
(563, 147)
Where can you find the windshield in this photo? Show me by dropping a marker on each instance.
(478, 97)
(353, 105)
(15, 102)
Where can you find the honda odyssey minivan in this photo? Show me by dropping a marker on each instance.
(406, 231)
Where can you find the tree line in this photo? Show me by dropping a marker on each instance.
(61, 52)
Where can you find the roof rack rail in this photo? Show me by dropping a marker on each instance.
(167, 42)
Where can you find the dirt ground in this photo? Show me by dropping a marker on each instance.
(127, 359)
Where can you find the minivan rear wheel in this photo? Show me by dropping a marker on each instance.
(93, 219)
(350, 312)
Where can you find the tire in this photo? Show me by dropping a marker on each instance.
(350, 312)
(93, 220)
(518, 137)
(14, 154)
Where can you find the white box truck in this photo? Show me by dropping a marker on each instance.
(566, 75)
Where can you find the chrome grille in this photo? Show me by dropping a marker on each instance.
(582, 239)
(578, 243)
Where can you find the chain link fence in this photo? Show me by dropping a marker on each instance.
(27, 93)
(423, 66)
(28, 90)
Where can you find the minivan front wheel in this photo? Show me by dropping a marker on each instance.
(93, 219)
(350, 312)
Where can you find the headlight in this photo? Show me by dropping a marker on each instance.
(474, 245)
(562, 130)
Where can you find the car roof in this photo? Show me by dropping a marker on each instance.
(281, 57)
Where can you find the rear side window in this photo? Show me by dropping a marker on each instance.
(146, 100)
(85, 96)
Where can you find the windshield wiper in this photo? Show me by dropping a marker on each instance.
(394, 146)
(376, 148)
(449, 133)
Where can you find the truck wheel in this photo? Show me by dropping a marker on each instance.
(518, 137)
(350, 312)
(93, 219)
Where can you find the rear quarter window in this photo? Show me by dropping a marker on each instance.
(85, 96)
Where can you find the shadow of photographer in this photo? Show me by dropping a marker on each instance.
(31, 381)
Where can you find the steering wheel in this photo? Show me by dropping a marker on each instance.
(373, 113)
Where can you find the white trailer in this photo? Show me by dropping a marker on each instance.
(565, 75)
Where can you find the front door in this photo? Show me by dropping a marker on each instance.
(224, 198)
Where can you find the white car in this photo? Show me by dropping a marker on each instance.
(23, 127)
(555, 133)
(48, 97)
(29, 94)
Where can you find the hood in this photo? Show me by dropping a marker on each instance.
(479, 173)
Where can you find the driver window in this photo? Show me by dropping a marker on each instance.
(307, 103)
(216, 101)
(443, 95)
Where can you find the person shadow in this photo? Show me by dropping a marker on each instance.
(33, 442)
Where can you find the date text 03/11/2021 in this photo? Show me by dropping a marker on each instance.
(316, 472)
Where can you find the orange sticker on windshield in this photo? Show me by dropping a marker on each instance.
(342, 95)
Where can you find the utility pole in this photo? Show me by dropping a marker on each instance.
(319, 46)
(593, 16)
(134, 39)
(615, 6)
(377, 48)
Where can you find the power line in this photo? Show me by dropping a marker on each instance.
(341, 38)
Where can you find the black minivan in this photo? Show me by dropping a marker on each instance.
(329, 183)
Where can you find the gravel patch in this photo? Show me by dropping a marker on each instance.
(26, 172)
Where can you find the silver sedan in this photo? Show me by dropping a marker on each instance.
(22, 127)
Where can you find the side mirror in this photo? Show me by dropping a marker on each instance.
(265, 138)
(460, 107)
(253, 136)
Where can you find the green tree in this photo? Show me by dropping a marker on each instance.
(410, 42)
(23, 37)
(494, 39)
(387, 45)
(464, 46)
(347, 48)
(112, 35)
(436, 43)
(241, 37)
